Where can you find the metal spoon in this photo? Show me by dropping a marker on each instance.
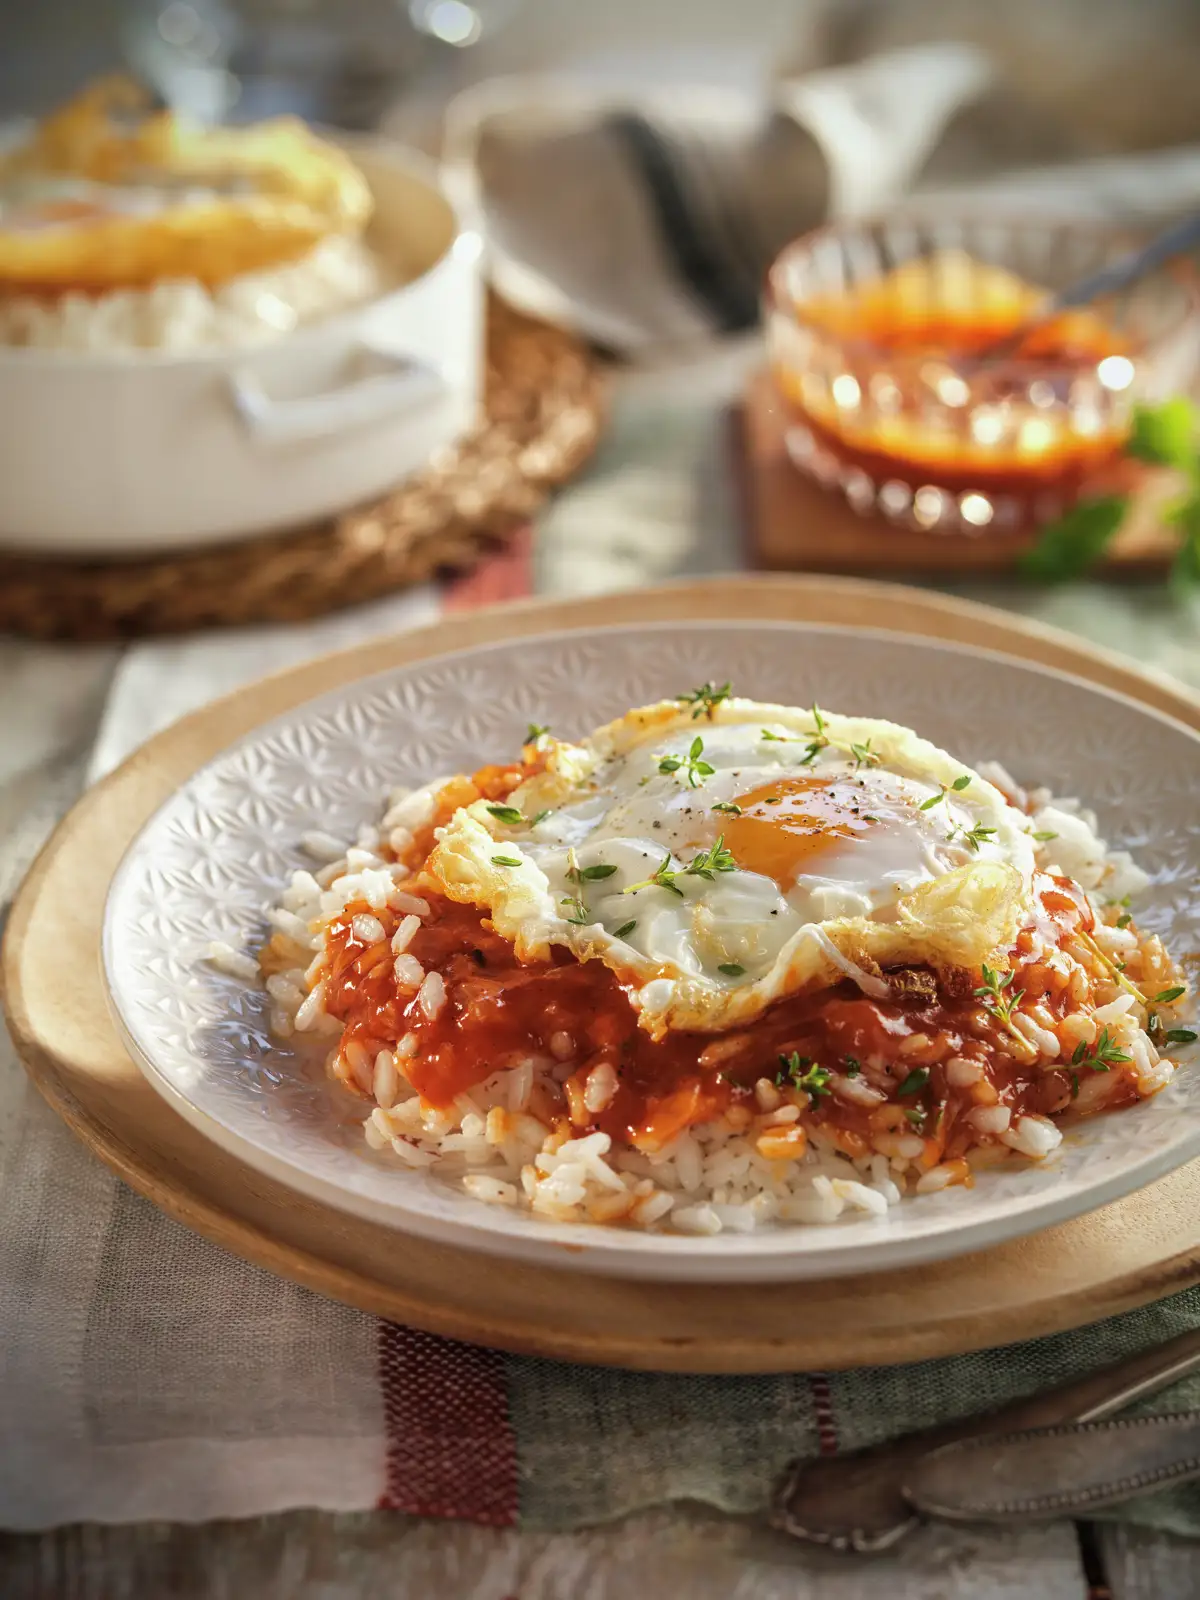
(1174, 241)
(857, 1502)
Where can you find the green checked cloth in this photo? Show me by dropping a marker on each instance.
(555, 1446)
(147, 1376)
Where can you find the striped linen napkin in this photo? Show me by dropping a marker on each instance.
(147, 1375)
(647, 219)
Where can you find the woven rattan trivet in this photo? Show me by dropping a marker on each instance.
(543, 411)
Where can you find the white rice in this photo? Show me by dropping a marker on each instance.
(182, 315)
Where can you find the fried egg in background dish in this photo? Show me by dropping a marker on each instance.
(723, 855)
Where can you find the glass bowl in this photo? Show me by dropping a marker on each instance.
(876, 334)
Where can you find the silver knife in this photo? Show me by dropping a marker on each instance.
(856, 1502)
(1055, 1472)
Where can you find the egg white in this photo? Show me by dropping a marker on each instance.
(909, 886)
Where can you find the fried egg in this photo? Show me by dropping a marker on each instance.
(721, 854)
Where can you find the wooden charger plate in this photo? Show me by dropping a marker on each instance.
(1137, 1250)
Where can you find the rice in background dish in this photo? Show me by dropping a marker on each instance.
(184, 316)
(723, 965)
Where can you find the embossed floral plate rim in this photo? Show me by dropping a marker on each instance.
(328, 1162)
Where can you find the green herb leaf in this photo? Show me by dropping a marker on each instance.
(692, 765)
(705, 865)
(915, 1082)
(803, 1073)
(959, 784)
(509, 815)
(713, 860)
(664, 878)
(852, 1066)
(625, 929)
(998, 994)
(730, 807)
(1103, 1056)
(1180, 1036)
(541, 817)
(592, 874)
(731, 969)
(705, 699)
(1164, 434)
(864, 756)
(972, 837)
(1124, 919)
(1043, 835)
(537, 732)
(506, 861)
(1165, 997)
(1071, 545)
(775, 738)
(580, 914)
(916, 1115)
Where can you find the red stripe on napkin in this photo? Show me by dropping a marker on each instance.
(451, 1451)
(506, 575)
(822, 1399)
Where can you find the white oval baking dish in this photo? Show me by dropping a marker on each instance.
(127, 453)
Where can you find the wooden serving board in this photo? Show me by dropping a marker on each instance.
(792, 524)
(1137, 1250)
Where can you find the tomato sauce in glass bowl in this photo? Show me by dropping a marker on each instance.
(918, 380)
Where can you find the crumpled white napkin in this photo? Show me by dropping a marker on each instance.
(645, 219)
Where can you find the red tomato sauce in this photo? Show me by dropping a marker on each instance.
(498, 1011)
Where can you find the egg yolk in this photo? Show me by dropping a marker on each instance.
(786, 826)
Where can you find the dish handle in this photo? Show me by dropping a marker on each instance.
(396, 385)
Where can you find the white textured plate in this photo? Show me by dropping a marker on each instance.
(216, 855)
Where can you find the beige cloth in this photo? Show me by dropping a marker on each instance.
(647, 219)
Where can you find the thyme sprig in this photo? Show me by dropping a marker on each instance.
(695, 768)
(820, 739)
(998, 994)
(956, 787)
(1161, 1035)
(801, 1072)
(578, 910)
(971, 838)
(705, 700)
(705, 865)
(664, 878)
(1102, 1056)
(1111, 967)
